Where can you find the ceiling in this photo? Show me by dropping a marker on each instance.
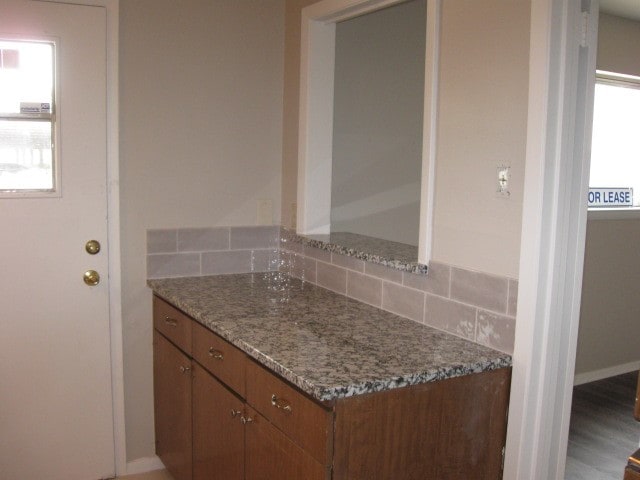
(622, 8)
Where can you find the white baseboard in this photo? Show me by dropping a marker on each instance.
(595, 375)
(144, 465)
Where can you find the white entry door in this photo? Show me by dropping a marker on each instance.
(56, 419)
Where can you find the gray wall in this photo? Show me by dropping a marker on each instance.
(377, 129)
(610, 310)
(201, 142)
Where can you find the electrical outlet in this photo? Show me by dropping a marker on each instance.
(265, 212)
(504, 175)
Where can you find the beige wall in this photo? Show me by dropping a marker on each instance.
(618, 45)
(482, 124)
(610, 303)
(610, 307)
(201, 142)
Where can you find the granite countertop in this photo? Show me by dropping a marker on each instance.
(328, 345)
(399, 256)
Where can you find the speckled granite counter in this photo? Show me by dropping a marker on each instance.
(399, 256)
(329, 345)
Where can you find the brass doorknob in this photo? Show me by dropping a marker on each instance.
(92, 247)
(91, 278)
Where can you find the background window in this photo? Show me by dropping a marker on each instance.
(615, 150)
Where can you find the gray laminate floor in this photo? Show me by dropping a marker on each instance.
(603, 432)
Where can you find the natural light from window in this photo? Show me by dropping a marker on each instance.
(615, 150)
(26, 117)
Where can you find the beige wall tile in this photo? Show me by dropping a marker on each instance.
(203, 239)
(162, 241)
(403, 301)
(243, 238)
(385, 273)
(230, 261)
(331, 277)
(479, 289)
(496, 331)
(450, 316)
(512, 302)
(173, 265)
(291, 246)
(345, 261)
(364, 288)
(436, 280)
(303, 268)
(265, 261)
(317, 253)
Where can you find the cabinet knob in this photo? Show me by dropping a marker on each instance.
(170, 321)
(217, 354)
(184, 369)
(280, 403)
(246, 420)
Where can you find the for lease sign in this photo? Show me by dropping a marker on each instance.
(610, 197)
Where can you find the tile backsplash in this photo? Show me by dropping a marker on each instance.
(183, 252)
(473, 305)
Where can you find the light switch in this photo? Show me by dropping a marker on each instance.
(503, 181)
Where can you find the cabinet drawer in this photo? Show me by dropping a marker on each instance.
(172, 323)
(220, 358)
(303, 420)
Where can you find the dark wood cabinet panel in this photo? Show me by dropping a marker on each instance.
(172, 401)
(447, 430)
(271, 455)
(218, 433)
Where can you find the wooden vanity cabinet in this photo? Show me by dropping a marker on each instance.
(218, 433)
(172, 402)
(221, 415)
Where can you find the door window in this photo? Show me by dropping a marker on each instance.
(27, 118)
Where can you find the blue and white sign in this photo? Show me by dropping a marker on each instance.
(610, 197)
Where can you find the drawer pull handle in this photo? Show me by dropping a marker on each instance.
(235, 413)
(217, 354)
(246, 420)
(280, 404)
(184, 369)
(170, 321)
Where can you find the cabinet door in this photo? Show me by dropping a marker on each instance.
(218, 433)
(172, 392)
(271, 455)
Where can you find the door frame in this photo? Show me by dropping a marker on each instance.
(562, 58)
(113, 227)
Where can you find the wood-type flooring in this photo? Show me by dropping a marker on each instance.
(603, 432)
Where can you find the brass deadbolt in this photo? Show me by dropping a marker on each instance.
(92, 247)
